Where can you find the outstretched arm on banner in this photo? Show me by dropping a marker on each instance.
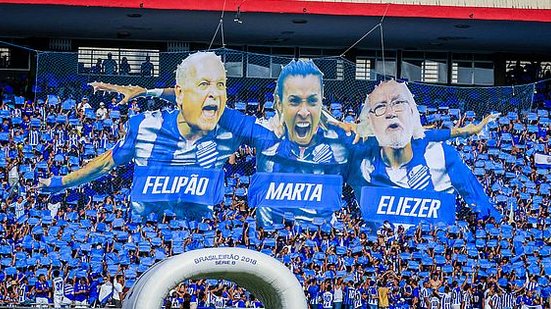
(465, 182)
(94, 169)
(438, 134)
(472, 129)
(121, 153)
(130, 92)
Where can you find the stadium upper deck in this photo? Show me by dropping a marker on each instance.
(437, 25)
(515, 10)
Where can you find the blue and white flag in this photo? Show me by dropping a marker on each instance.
(288, 190)
(178, 184)
(407, 206)
(105, 293)
(542, 161)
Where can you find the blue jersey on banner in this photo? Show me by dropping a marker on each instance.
(407, 206)
(154, 142)
(328, 154)
(434, 167)
(153, 138)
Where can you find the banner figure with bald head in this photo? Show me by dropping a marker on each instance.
(178, 154)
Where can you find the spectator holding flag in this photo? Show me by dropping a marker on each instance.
(106, 291)
(69, 290)
(118, 294)
(314, 293)
(350, 293)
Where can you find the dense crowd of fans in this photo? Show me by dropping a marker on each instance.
(87, 241)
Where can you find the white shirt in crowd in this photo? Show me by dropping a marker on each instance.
(117, 288)
(337, 295)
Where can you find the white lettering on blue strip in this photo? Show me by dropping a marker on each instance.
(193, 185)
(409, 206)
(294, 191)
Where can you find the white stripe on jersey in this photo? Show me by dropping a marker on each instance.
(69, 290)
(467, 299)
(424, 294)
(508, 300)
(436, 161)
(34, 138)
(358, 299)
(532, 286)
(456, 296)
(350, 295)
(446, 300)
(184, 153)
(496, 301)
(373, 296)
(147, 131)
(22, 291)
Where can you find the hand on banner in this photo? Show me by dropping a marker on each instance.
(349, 128)
(50, 185)
(129, 92)
(472, 129)
(276, 125)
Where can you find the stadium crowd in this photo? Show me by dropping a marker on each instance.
(84, 248)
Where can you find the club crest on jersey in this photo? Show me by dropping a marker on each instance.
(322, 153)
(419, 177)
(206, 154)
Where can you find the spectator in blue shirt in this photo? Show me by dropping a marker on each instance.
(81, 292)
(42, 289)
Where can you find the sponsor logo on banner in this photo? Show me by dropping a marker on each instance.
(407, 206)
(295, 190)
(178, 183)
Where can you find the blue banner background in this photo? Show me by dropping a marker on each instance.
(379, 204)
(176, 184)
(283, 190)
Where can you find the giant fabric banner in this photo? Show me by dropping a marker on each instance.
(178, 183)
(303, 153)
(283, 190)
(407, 206)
